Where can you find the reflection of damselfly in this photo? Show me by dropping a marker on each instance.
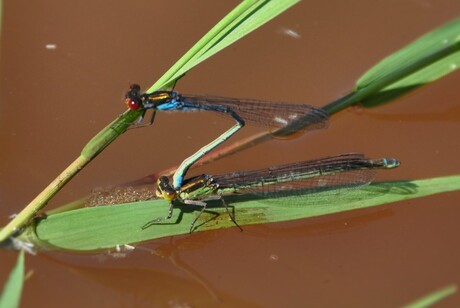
(289, 117)
(330, 173)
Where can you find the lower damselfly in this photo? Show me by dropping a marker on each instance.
(303, 178)
(271, 115)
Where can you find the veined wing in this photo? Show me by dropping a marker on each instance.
(273, 115)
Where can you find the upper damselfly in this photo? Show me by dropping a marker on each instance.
(272, 115)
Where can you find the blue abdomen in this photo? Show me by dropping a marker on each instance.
(176, 104)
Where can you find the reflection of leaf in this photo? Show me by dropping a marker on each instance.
(106, 226)
(154, 281)
(440, 115)
(388, 95)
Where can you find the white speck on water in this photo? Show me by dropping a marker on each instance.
(273, 258)
(290, 33)
(51, 46)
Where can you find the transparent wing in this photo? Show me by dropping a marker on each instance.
(272, 115)
(328, 176)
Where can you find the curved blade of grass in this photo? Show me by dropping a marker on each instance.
(245, 18)
(249, 15)
(11, 295)
(105, 227)
(425, 60)
(433, 298)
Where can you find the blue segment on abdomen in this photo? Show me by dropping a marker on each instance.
(175, 105)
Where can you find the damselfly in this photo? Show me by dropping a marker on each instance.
(272, 115)
(303, 178)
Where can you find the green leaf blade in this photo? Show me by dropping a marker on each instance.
(429, 58)
(425, 60)
(245, 18)
(105, 227)
(433, 298)
(11, 295)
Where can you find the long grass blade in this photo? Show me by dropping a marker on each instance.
(105, 227)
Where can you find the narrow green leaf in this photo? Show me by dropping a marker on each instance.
(245, 18)
(425, 60)
(433, 298)
(107, 226)
(11, 295)
(430, 57)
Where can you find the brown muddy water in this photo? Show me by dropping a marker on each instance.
(65, 68)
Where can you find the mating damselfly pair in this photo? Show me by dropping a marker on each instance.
(340, 171)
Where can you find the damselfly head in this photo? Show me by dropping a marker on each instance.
(133, 99)
(133, 104)
(164, 189)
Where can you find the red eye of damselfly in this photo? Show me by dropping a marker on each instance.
(132, 104)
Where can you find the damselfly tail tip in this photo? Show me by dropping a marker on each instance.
(390, 163)
(385, 163)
